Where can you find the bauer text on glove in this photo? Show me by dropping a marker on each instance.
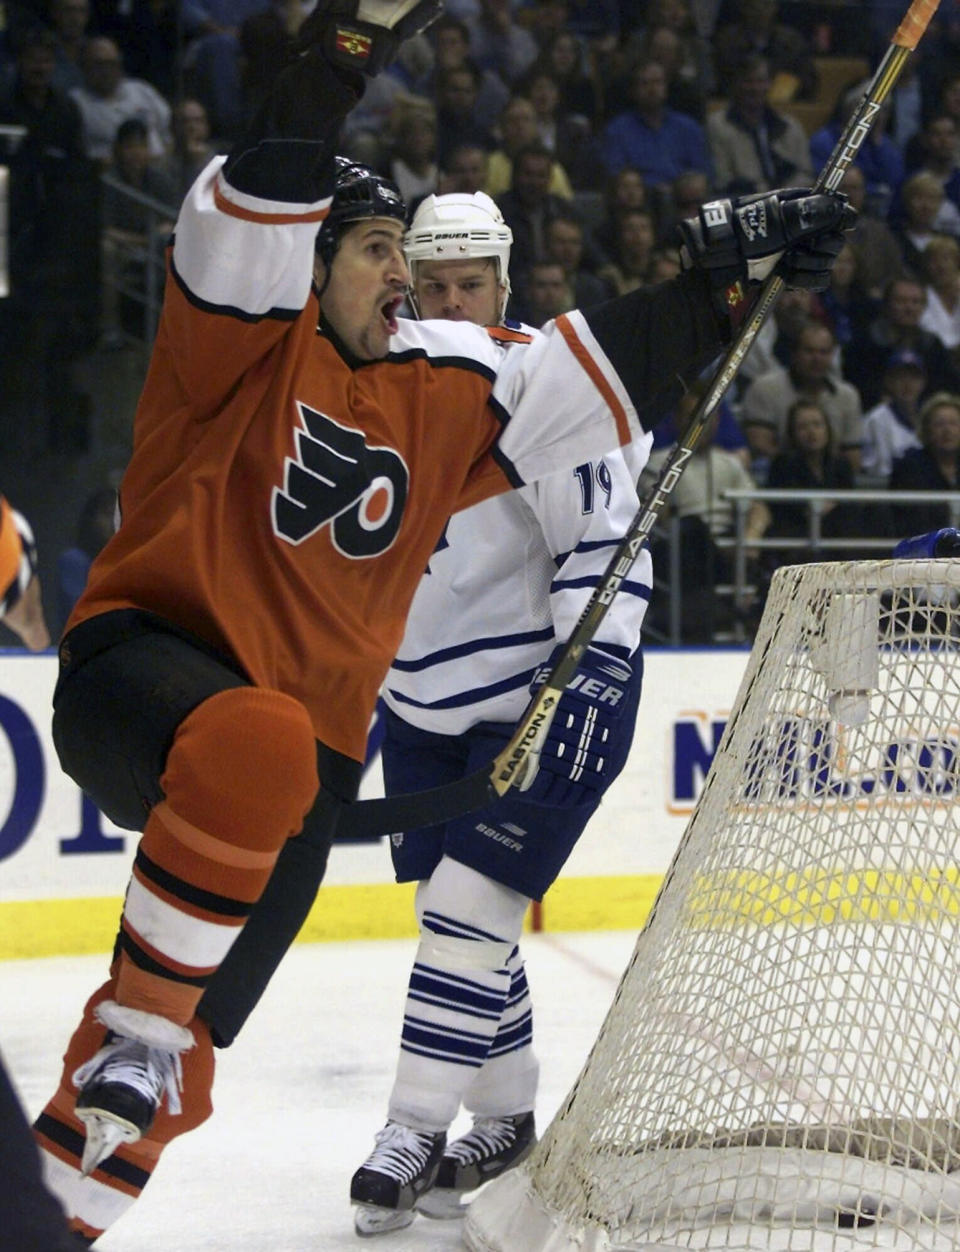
(575, 760)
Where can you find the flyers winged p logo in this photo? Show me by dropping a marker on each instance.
(337, 479)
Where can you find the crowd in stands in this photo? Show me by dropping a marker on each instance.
(595, 124)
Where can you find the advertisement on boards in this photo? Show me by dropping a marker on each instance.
(54, 843)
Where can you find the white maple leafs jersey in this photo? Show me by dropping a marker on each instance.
(507, 582)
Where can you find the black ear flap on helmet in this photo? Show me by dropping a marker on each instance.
(358, 193)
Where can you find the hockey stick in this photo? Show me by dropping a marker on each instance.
(421, 808)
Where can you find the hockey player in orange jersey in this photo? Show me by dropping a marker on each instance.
(297, 451)
(21, 607)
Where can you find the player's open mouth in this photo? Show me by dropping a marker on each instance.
(388, 312)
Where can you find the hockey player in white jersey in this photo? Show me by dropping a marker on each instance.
(503, 590)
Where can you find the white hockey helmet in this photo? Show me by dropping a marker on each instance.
(459, 227)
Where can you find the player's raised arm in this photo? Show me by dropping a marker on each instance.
(241, 265)
(633, 347)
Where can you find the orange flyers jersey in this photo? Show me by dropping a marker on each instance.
(10, 548)
(18, 555)
(283, 505)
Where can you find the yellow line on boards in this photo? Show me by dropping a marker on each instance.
(34, 928)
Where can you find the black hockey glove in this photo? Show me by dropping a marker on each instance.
(364, 35)
(741, 241)
(575, 761)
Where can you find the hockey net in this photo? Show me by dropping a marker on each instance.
(780, 1067)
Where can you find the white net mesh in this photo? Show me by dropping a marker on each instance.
(781, 1064)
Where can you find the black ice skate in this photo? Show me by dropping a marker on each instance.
(122, 1086)
(494, 1145)
(400, 1168)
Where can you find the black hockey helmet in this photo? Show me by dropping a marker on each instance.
(358, 192)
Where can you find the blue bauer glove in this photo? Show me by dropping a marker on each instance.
(574, 762)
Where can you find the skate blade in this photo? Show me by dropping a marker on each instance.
(371, 1219)
(105, 1134)
(442, 1204)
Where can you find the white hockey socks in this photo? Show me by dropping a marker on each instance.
(458, 992)
(507, 1081)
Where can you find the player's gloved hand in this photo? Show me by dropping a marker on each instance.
(741, 240)
(934, 543)
(364, 35)
(574, 761)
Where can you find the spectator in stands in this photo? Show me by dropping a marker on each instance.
(518, 128)
(545, 19)
(777, 338)
(846, 306)
(939, 155)
(565, 245)
(563, 56)
(925, 212)
(545, 293)
(808, 462)
(897, 325)
(457, 90)
(809, 376)
(133, 232)
(706, 519)
(53, 261)
(753, 146)
(594, 20)
(670, 36)
(756, 30)
(151, 35)
(108, 97)
(529, 205)
(891, 427)
(878, 254)
(660, 142)
(688, 192)
(213, 56)
(466, 170)
(727, 433)
(451, 44)
(69, 19)
(413, 164)
(939, 55)
(622, 192)
(191, 149)
(95, 525)
(567, 136)
(633, 246)
(686, 89)
(941, 264)
(933, 467)
(948, 99)
(498, 43)
(878, 156)
(543, 91)
(132, 167)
